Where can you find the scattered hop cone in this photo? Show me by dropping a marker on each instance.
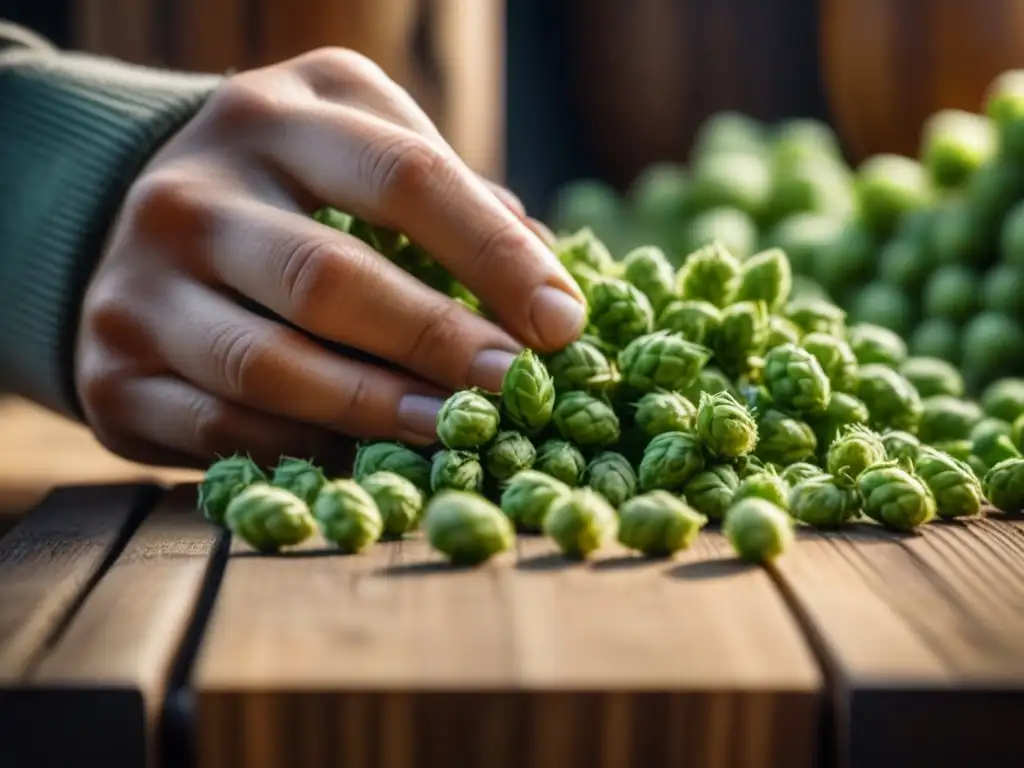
(956, 490)
(581, 523)
(933, 376)
(820, 501)
(584, 249)
(748, 465)
(766, 276)
(991, 442)
(795, 380)
(725, 427)
(901, 446)
(580, 366)
(742, 335)
(399, 502)
(670, 461)
(891, 400)
(782, 439)
(649, 270)
(268, 518)
(796, 473)
(835, 358)
(610, 474)
(944, 417)
(528, 497)
(658, 524)
(528, 393)
(763, 485)
(224, 480)
(710, 274)
(875, 344)
(856, 449)
(348, 516)
(300, 477)
(658, 412)
(662, 360)
(843, 410)
(392, 457)
(895, 498)
(697, 321)
(562, 460)
(812, 314)
(467, 528)
(511, 452)
(710, 492)
(584, 420)
(619, 311)
(1004, 485)
(781, 331)
(467, 420)
(456, 471)
(711, 380)
(758, 530)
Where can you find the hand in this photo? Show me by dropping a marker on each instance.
(173, 367)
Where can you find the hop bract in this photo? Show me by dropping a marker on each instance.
(956, 490)
(581, 523)
(900, 445)
(619, 311)
(843, 411)
(742, 335)
(726, 428)
(560, 459)
(580, 366)
(875, 344)
(796, 380)
(610, 474)
(766, 276)
(399, 502)
(511, 452)
(348, 516)
(457, 471)
(392, 457)
(300, 477)
(856, 449)
(796, 473)
(1004, 399)
(658, 524)
(781, 330)
(662, 360)
(528, 393)
(467, 528)
(758, 530)
(816, 315)
(467, 420)
(583, 249)
(782, 439)
(670, 461)
(763, 485)
(932, 376)
(268, 518)
(835, 358)
(820, 501)
(649, 270)
(710, 274)
(224, 480)
(584, 420)
(944, 417)
(697, 321)
(710, 492)
(1004, 485)
(529, 495)
(891, 400)
(895, 498)
(658, 412)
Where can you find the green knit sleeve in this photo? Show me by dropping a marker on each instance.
(75, 131)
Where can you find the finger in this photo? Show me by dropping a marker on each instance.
(394, 177)
(264, 365)
(338, 288)
(542, 231)
(507, 198)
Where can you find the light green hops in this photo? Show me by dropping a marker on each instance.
(619, 311)
(895, 498)
(348, 516)
(225, 479)
(467, 420)
(580, 366)
(610, 474)
(901, 446)
(649, 270)
(889, 186)
(992, 441)
(584, 420)
(582, 250)
(955, 143)
(467, 528)
(1004, 399)
(819, 500)
(670, 461)
(710, 491)
(658, 524)
(581, 523)
(399, 502)
(944, 417)
(763, 485)
(662, 360)
(783, 439)
(560, 459)
(856, 449)
(725, 427)
(457, 471)
(710, 274)
(758, 530)
(796, 473)
(299, 476)
(528, 393)
(842, 410)
(892, 401)
(766, 276)
(658, 412)
(958, 449)
(268, 518)
(1004, 485)
(956, 489)
(811, 314)
(511, 452)
(742, 335)
(393, 457)
(932, 376)
(835, 358)
(782, 331)
(795, 380)
(875, 344)
(711, 380)
(698, 321)
(528, 496)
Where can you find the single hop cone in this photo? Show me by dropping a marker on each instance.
(580, 366)
(586, 421)
(783, 439)
(956, 489)
(528, 393)
(562, 460)
(223, 481)
(758, 531)
(812, 314)
(670, 461)
(658, 524)
(765, 485)
(649, 270)
(392, 457)
(835, 358)
(725, 427)
(856, 449)
(619, 311)
(528, 496)
(895, 498)
(268, 518)
(511, 452)
(891, 400)
(742, 336)
(1004, 485)
(348, 516)
(581, 523)
(710, 274)
(767, 277)
(710, 492)
(399, 502)
(818, 500)
(662, 360)
(467, 528)
(610, 474)
(795, 380)
(467, 421)
(658, 412)
(901, 446)
(300, 477)
(697, 321)
(456, 471)
(796, 473)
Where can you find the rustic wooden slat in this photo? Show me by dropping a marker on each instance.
(922, 637)
(393, 658)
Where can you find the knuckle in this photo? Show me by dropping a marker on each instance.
(310, 277)
(238, 352)
(108, 311)
(208, 425)
(345, 65)
(163, 199)
(440, 334)
(241, 101)
(403, 166)
(101, 392)
(499, 249)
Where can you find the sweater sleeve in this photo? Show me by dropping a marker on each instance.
(75, 131)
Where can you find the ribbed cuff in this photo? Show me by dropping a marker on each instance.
(75, 131)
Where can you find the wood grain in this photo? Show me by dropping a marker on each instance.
(393, 658)
(922, 639)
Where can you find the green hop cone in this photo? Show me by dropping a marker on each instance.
(889, 186)
(467, 528)
(875, 344)
(819, 500)
(467, 420)
(269, 518)
(842, 410)
(662, 360)
(582, 366)
(796, 473)
(711, 380)
(584, 420)
(583, 249)
(781, 331)
(581, 523)
(392, 457)
(649, 270)
(710, 491)
(856, 449)
(992, 441)
(956, 489)
(223, 481)
(528, 393)
(456, 471)
(782, 439)
(348, 516)
(710, 274)
(1004, 399)
(892, 401)
(529, 495)
(944, 417)
(399, 502)
(932, 376)
(658, 412)
(795, 380)
(758, 531)
(610, 474)
(835, 357)
(619, 311)
(742, 336)
(511, 452)
(299, 476)
(1004, 104)
(895, 498)
(725, 427)
(901, 446)
(766, 277)
(766, 485)
(1004, 485)
(954, 144)
(958, 449)
(670, 461)
(560, 459)
(697, 321)
(812, 315)
(658, 524)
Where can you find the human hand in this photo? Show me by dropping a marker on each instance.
(171, 365)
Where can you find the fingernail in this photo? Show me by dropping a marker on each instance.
(417, 415)
(542, 231)
(488, 369)
(557, 317)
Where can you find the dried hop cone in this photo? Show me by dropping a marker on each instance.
(662, 360)
(511, 452)
(758, 531)
(456, 471)
(820, 501)
(743, 335)
(710, 491)
(856, 449)
(610, 474)
(399, 502)
(783, 439)
(299, 476)
(956, 489)
(698, 321)
(528, 393)
(767, 277)
(467, 421)
(795, 380)
(467, 528)
(348, 516)
(894, 497)
(1004, 485)
(392, 457)
(581, 523)
(528, 497)
(835, 358)
(726, 427)
(584, 420)
(619, 311)
(891, 400)
(223, 481)
(659, 524)
(765, 485)
(268, 518)
(560, 459)
(581, 366)
(658, 412)
(670, 461)
(649, 269)
(710, 274)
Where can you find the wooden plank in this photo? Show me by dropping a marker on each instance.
(922, 640)
(393, 658)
